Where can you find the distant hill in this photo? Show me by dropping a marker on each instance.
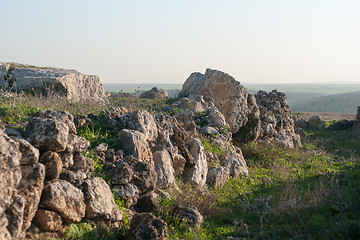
(339, 103)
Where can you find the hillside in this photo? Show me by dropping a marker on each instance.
(339, 103)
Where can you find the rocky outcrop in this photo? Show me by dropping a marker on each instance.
(70, 84)
(229, 96)
(145, 226)
(155, 93)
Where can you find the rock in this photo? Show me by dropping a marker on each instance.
(145, 226)
(29, 154)
(134, 143)
(83, 164)
(11, 132)
(155, 93)
(147, 203)
(141, 121)
(15, 217)
(128, 192)
(144, 177)
(315, 122)
(341, 125)
(178, 164)
(164, 169)
(357, 117)
(102, 147)
(217, 177)
(229, 96)
(67, 160)
(53, 164)
(189, 215)
(47, 133)
(99, 201)
(210, 131)
(75, 178)
(65, 199)
(196, 174)
(236, 162)
(70, 84)
(77, 144)
(30, 188)
(119, 172)
(48, 221)
(277, 123)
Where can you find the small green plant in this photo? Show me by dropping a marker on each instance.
(80, 231)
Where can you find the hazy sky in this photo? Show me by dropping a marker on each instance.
(163, 41)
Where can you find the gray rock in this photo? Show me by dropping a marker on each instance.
(77, 144)
(196, 174)
(102, 147)
(141, 121)
(70, 84)
(65, 199)
(147, 203)
(236, 162)
(83, 164)
(217, 177)
(119, 172)
(53, 164)
(155, 93)
(189, 215)
(144, 177)
(315, 122)
(145, 226)
(229, 96)
(29, 154)
(134, 143)
(99, 201)
(15, 215)
(127, 192)
(164, 169)
(67, 160)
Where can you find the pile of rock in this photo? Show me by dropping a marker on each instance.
(70, 84)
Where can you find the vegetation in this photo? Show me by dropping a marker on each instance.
(307, 193)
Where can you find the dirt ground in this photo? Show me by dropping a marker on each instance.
(328, 116)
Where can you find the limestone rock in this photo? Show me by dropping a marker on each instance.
(83, 164)
(30, 188)
(218, 176)
(145, 226)
(67, 160)
(141, 121)
(77, 144)
(196, 174)
(164, 169)
(70, 84)
(155, 93)
(190, 215)
(229, 96)
(236, 162)
(53, 164)
(144, 177)
(128, 192)
(315, 122)
(119, 172)
(15, 215)
(134, 143)
(48, 221)
(147, 203)
(29, 154)
(65, 199)
(99, 201)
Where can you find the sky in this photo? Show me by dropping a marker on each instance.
(164, 41)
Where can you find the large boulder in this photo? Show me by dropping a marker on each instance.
(230, 97)
(155, 93)
(134, 143)
(70, 84)
(65, 199)
(164, 169)
(100, 204)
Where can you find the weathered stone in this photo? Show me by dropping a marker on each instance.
(134, 143)
(102, 147)
(145, 226)
(65, 199)
(141, 121)
(99, 201)
(67, 160)
(217, 176)
(147, 203)
(315, 122)
(229, 96)
(196, 174)
(155, 93)
(236, 162)
(62, 116)
(178, 164)
(30, 188)
(127, 192)
(15, 215)
(119, 172)
(341, 125)
(70, 84)
(357, 117)
(11, 132)
(83, 164)
(76, 178)
(77, 144)
(164, 169)
(53, 164)
(29, 154)
(189, 215)
(48, 221)
(144, 177)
